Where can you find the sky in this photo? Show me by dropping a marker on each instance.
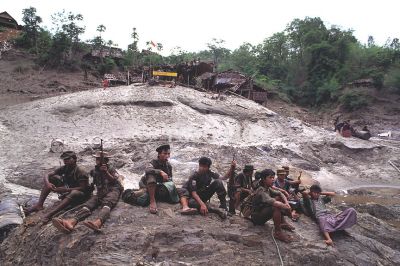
(192, 24)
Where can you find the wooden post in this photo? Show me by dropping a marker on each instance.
(127, 80)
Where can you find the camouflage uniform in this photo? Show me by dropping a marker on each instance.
(206, 185)
(108, 193)
(71, 177)
(263, 201)
(165, 190)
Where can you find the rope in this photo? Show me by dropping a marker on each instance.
(277, 247)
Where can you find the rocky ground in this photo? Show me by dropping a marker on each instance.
(133, 121)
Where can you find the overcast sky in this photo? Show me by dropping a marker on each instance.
(191, 24)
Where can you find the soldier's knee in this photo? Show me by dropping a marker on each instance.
(75, 194)
(151, 179)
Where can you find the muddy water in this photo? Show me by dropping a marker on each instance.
(388, 196)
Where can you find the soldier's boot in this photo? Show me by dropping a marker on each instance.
(221, 212)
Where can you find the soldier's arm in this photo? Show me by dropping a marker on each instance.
(326, 193)
(151, 170)
(281, 190)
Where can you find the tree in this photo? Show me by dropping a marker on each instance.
(69, 24)
(134, 45)
(32, 26)
(217, 50)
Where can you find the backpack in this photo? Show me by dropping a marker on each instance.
(246, 208)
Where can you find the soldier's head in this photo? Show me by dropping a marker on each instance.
(204, 164)
(102, 157)
(164, 152)
(281, 174)
(248, 170)
(315, 191)
(267, 177)
(286, 168)
(69, 158)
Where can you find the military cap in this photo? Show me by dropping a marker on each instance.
(68, 155)
(281, 172)
(248, 168)
(98, 154)
(205, 161)
(163, 147)
(266, 173)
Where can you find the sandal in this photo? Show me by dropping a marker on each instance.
(92, 226)
(190, 211)
(58, 223)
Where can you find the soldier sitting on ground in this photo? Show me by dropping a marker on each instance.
(202, 185)
(157, 184)
(70, 181)
(269, 203)
(288, 187)
(242, 188)
(109, 188)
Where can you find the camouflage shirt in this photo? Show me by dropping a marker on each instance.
(200, 181)
(265, 197)
(102, 182)
(72, 176)
(156, 166)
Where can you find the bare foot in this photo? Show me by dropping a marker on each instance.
(69, 224)
(153, 208)
(189, 211)
(282, 237)
(287, 226)
(33, 209)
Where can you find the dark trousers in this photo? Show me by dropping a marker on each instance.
(110, 199)
(205, 195)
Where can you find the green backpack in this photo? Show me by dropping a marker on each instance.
(246, 207)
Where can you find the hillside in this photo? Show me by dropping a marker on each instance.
(133, 120)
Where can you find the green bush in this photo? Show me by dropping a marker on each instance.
(392, 79)
(327, 92)
(352, 101)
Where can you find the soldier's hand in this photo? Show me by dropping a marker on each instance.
(203, 209)
(233, 164)
(285, 193)
(59, 189)
(287, 206)
(51, 186)
(103, 168)
(164, 176)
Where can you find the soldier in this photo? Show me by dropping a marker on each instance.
(289, 188)
(269, 203)
(158, 181)
(242, 188)
(109, 188)
(202, 185)
(70, 181)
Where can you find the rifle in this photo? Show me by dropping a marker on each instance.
(101, 152)
(231, 181)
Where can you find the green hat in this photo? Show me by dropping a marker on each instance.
(281, 172)
(67, 155)
(98, 154)
(163, 148)
(248, 168)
